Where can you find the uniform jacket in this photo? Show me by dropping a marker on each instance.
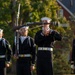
(27, 47)
(46, 41)
(5, 49)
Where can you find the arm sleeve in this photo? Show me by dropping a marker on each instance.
(33, 51)
(14, 48)
(57, 36)
(9, 51)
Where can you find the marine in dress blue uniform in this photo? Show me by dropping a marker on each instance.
(44, 39)
(5, 53)
(26, 56)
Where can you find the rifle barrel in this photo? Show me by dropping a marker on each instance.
(29, 24)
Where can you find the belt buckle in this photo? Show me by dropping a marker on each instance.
(44, 48)
(40, 48)
(49, 48)
(22, 55)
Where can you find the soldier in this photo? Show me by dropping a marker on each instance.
(72, 57)
(26, 56)
(44, 39)
(5, 54)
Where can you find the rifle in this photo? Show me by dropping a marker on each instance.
(17, 34)
(30, 24)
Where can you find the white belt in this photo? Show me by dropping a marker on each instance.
(2, 56)
(45, 48)
(24, 55)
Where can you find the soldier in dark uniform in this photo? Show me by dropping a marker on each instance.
(44, 40)
(5, 54)
(26, 57)
(72, 57)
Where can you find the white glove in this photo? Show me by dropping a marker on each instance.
(8, 64)
(72, 66)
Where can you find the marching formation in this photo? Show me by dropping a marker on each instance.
(31, 52)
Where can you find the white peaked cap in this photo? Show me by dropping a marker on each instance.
(26, 27)
(46, 18)
(1, 30)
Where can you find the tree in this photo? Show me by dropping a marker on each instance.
(5, 16)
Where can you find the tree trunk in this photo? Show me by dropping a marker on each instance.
(13, 12)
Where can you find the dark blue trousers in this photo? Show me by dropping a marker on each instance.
(23, 67)
(44, 63)
(2, 71)
(2, 67)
